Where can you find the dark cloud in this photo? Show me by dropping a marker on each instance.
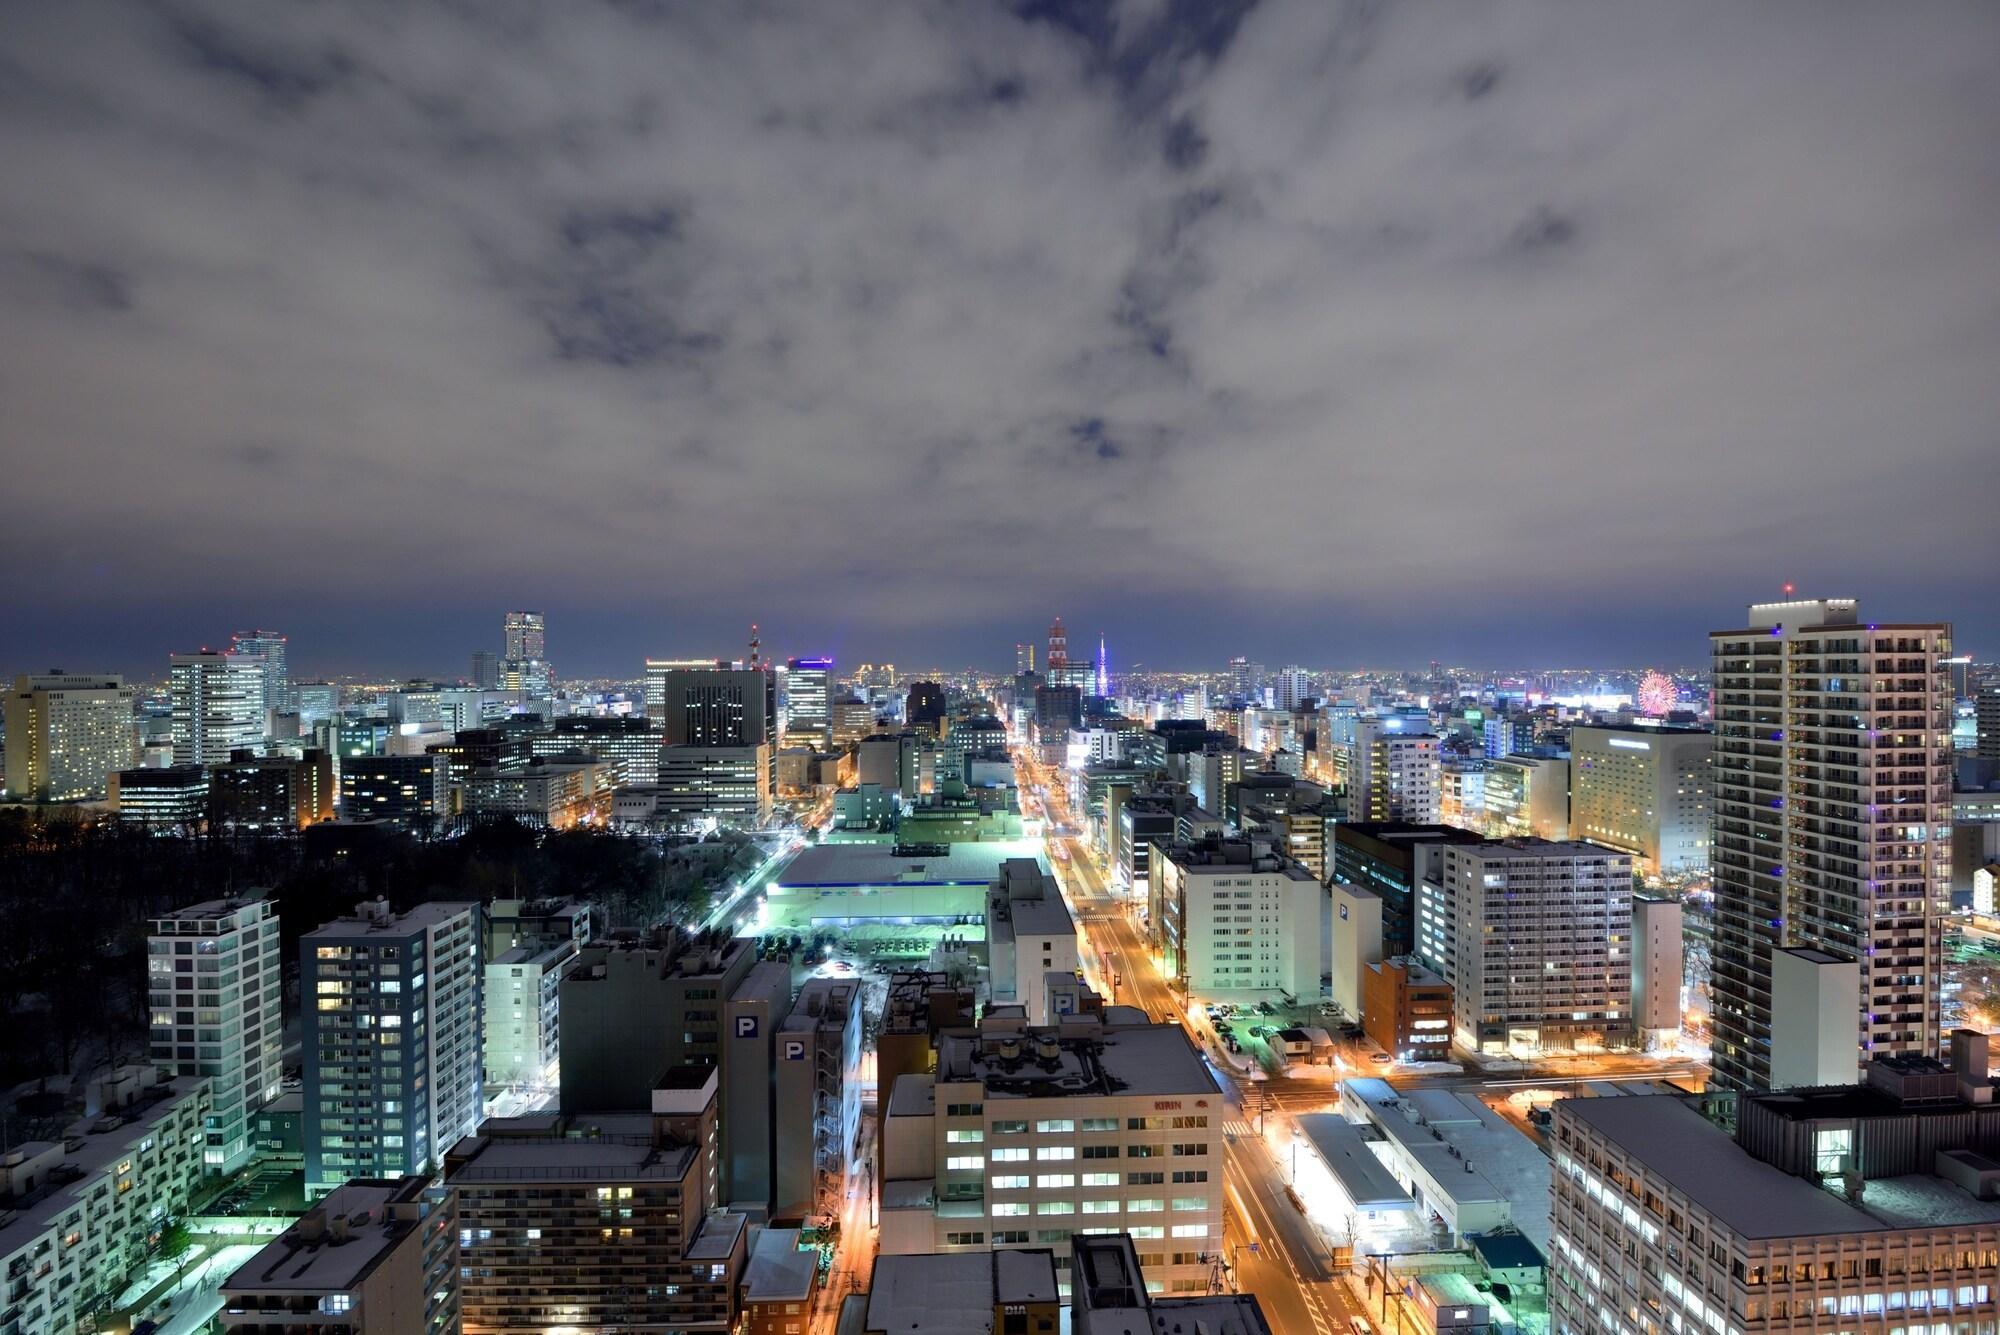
(1541, 326)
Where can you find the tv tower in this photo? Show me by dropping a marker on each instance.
(756, 658)
(1058, 649)
(1103, 670)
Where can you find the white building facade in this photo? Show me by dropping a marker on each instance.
(215, 995)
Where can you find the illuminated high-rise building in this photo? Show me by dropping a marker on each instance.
(1024, 657)
(217, 703)
(807, 707)
(67, 733)
(393, 1061)
(1394, 774)
(1832, 801)
(525, 635)
(268, 645)
(238, 1001)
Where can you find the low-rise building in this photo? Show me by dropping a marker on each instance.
(1406, 1010)
(167, 798)
(78, 1214)
(375, 1256)
(1458, 1159)
(780, 1282)
(1025, 1136)
(971, 1294)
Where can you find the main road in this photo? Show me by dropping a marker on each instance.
(1272, 1250)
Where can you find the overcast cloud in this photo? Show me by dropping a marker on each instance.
(1340, 332)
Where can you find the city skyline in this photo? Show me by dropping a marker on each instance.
(608, 648)
(1436, 331)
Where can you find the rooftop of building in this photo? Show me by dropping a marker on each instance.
(913, 1095)
(1530, 847)
(1233, 855)
(1467, 1149)
(779, 1271)
(1026, 901)
(1642, 729)
(841, 865)
(376, 919)
(1108, 1297)
(211, 909)
(956, 1294)
(87, 1149)
(671, 954)
(1404, 832)
(1698, 1159)
(587, 1147)
(717, 1236)
(1083, 1057)
(334, 1246)
(1506, 1251)
(1345, 1152)
(543, 957)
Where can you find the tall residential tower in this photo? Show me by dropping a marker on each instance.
(1832, 801)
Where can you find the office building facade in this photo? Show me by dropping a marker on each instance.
(217, 703)
(1234, 919)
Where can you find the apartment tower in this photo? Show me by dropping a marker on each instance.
(1832, 800)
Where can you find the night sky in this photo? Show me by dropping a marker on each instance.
(1340, 333)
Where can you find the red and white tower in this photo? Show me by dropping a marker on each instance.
(1058, 648)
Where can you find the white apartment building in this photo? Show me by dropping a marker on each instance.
(1234, 920)
(1535, 938)
(374, 1257)
(1836, 1209)
(217, 703)
(1028, 1136)
(67, 733)
(215, 995)
(1643, 790)
(522, 1047)
(1394, 773)
(77, 1215)
(392, 1018)
(1029, 934)
(1832, 795)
